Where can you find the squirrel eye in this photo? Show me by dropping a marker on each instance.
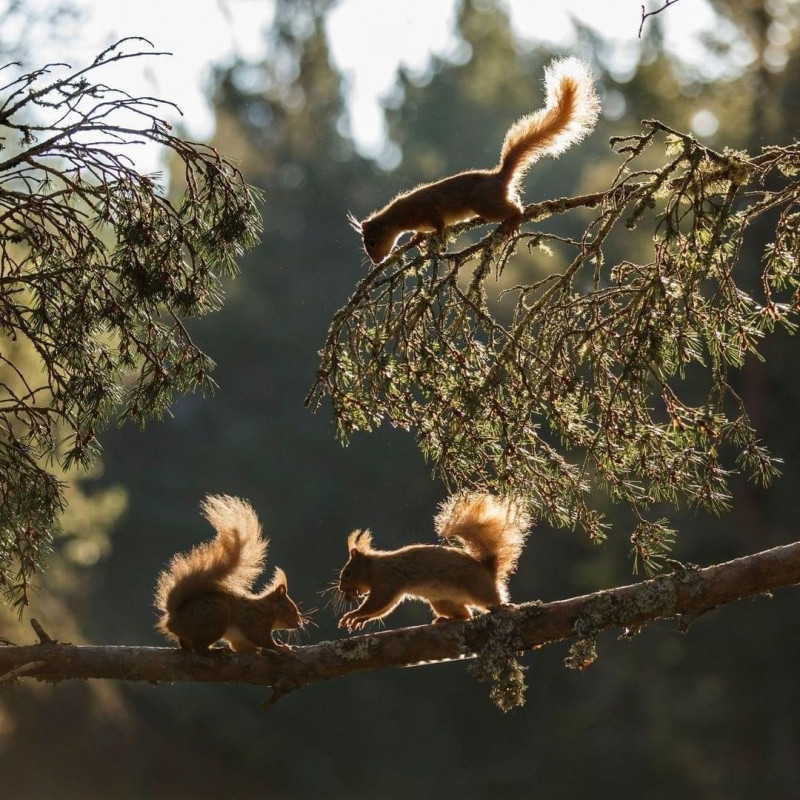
(372, 243)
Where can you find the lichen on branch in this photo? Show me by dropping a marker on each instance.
(493, 640)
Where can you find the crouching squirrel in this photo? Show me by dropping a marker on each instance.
(490, 532)
(205, 595)
(570, 112)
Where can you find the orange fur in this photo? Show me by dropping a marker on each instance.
(205, 595)
(570, 112)
(490, 532)
(491, 529)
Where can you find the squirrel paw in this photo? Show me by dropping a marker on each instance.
(353, 622)
(346, 620)
(510, 227)
(281, 648)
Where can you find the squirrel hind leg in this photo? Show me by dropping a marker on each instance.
(199, 622)
(447, 610)
(506, 212)
(497, 207)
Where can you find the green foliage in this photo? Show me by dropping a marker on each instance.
(610, 376)
(97, 268)
(710, 714)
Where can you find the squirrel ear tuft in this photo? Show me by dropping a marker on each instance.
(359, 542)
(279, 584)
(354, 223)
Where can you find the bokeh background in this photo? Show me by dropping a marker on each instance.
(712, 714)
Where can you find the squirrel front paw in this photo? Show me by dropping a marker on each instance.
(346, 620)
(353, 621)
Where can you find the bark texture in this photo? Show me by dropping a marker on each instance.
(685, 593)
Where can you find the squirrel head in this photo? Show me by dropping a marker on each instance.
(354, 577)
(287, 615)
(379, 238)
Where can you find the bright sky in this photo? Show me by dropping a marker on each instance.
(369, 40)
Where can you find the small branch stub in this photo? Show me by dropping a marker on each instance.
(44, 638)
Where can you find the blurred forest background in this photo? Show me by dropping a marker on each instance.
(709, 715)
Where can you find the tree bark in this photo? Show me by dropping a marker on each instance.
(685, 593)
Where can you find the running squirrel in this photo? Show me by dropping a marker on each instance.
(205, 595)
(570, 113)
(452, 579)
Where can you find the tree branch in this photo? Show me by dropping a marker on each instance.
(687, 592)
(646, 14)
(95, 258)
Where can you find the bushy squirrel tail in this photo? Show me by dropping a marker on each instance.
(232, 560)
(491, 529)
(570, 113)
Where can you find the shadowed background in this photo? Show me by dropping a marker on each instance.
(711, 714)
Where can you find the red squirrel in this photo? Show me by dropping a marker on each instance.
(490, 532)
(205, 595)
(571, 110)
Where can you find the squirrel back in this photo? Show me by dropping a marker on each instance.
(491, 529)
(230, 562)
(570, 112)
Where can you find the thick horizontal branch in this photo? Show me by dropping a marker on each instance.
(686, 593)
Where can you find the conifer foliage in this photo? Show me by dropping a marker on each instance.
(98, 270)
(605, 374)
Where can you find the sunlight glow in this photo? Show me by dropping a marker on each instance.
(369, 40)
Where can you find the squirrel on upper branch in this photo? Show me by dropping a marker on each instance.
(490, 532)
(571, 110)
(205, 595)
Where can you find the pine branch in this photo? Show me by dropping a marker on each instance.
(99, 269)
(685, 593)
(595, 376)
